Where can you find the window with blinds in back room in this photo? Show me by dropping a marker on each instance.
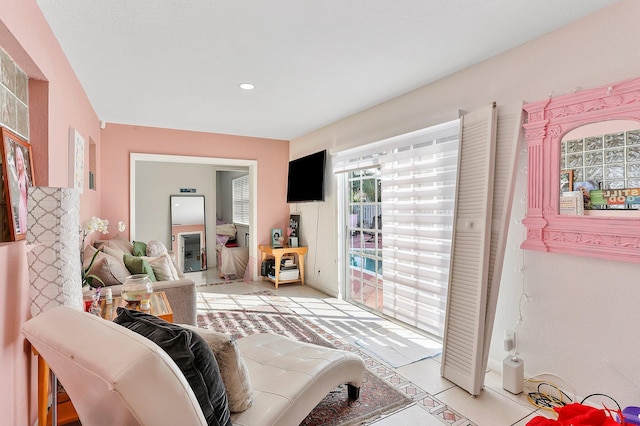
(240, 199)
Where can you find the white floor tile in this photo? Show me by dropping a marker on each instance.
(543, 413)
(426, 375)
(488, 408)
(412, 415)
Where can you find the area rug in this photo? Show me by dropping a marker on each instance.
(264, 311)
(377, 397)
(396, 351)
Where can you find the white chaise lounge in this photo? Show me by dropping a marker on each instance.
(115, 376)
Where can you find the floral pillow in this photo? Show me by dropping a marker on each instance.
(155, 248)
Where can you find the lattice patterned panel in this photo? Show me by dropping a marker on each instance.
(53, 236)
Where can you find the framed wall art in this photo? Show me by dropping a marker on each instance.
(276, 237)
(17, 176)
(294, 225)
(76, 160)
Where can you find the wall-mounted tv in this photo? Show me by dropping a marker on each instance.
(306, 178)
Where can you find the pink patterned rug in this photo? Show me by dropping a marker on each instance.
(377, 397)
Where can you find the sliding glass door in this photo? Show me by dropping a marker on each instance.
(399, 203)
(364, 245)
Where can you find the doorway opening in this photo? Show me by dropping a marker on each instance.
(141, 197)
(192, 254)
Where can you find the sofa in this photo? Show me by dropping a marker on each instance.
(116, 256)
(148, 381)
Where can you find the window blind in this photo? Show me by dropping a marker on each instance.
(240, 199)
(371, 155)
(418, 184)
(418, 198)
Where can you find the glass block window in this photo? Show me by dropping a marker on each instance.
(14, 96)
(609, 161)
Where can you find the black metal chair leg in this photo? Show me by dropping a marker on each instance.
(354, 392)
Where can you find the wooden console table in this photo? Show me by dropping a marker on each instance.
(277, 253)
(65, 412)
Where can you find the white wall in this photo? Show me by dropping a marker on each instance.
(155, 182)
(581, 321)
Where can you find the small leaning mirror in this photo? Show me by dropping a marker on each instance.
(188, 230)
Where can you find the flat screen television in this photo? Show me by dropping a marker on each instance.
(305, 182)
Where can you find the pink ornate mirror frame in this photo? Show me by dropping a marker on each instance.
(602, 234)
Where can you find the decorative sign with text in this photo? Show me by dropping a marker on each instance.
(615, 197)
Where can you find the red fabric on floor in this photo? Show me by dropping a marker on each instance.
(576, 415)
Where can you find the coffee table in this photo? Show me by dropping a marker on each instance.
(159, 307)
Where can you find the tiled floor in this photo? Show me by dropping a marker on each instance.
(445, 402)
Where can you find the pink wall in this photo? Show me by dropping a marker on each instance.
(119, 141)
(57, 100)
(57, 103)
(17, 399)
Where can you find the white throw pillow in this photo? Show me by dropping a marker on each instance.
(172, 265)
(162, 267)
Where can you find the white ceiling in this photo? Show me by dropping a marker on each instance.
(177, 64)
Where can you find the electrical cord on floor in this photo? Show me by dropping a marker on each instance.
(547, 401)
(606, 396)
(547, 394)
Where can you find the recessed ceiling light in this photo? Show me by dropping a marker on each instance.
(247, 86)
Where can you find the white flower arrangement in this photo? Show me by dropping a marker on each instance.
(101, 225)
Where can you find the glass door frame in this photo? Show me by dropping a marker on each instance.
(365, 233)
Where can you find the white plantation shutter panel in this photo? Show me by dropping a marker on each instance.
(507, 144)
(418, 198)
(240, 199)
(467, 294)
